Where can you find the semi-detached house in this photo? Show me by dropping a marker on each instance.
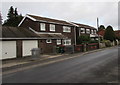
(50, 28)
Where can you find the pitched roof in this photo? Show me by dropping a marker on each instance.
(52, 36)
(117, 32)
(24, 33)
(84, 26)
(56, 21)
(101, 32)
(16, 32)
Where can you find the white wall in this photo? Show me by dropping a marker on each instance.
(28, 45)
(8, 49)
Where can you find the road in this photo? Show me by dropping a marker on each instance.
(90, 68)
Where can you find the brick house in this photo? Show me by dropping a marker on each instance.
(117, 33)
(82, 29)
(101, 33)
(56, 32)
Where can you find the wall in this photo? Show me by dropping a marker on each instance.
(46, 47)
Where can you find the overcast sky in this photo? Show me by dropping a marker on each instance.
(81, 12)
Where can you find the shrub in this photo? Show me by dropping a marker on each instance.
(83, 39)
(107, 43)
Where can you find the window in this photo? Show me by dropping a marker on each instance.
(52, 27)
(92, 31)
(82, 30)
(87, 31)
(66, 29)
(59, 42)
(67, 42)
(42, 26)
(48, 41)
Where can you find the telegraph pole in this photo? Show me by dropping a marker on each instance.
(98, 34)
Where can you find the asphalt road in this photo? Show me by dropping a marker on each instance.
(90, 68)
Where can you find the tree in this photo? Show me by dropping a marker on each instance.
(109, 34)
(10, 14)
(102, 27)
(83, 39)
(16, 13)
(13, 19)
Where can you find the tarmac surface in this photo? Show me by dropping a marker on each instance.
(96, 67)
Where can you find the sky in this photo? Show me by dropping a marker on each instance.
(84, 12)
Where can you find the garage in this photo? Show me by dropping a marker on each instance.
(8, 49)
(16, 42)
(28, 45)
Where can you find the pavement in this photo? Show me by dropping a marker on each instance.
(26, 60)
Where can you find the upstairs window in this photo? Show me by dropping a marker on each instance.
(95, 32)
(88, 31)
(52, 27)
(66, 29)
(42, 26)
(82, 30)
(92, 31)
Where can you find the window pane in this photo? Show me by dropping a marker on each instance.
(42, 26)
(52, 27)
(58, 42)
(66, 29)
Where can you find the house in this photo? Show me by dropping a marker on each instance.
(18, 42)
(117, 33)
(101, 33)
(82, 29)
(58, 32)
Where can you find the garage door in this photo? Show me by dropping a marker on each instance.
(28, 45)
(8, 49)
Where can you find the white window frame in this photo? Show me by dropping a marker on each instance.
(66, 29)
(92, 31)
(47, 41)
(83, 30)
(42, 26)
(66, 42)
(52, 27)
(95, 32)
(58, 41)
(88, 31)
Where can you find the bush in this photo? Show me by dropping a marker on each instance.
(107, 43)
(83, 39)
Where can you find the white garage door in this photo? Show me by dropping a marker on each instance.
(8, 49)
(28, 45)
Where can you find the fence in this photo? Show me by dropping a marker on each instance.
(92, 46)
(76, 48)
(79, 48)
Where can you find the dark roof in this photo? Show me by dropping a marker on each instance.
(52, 36)
(17, 32)
(50, 20)
(24, 33)
(84, 26)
